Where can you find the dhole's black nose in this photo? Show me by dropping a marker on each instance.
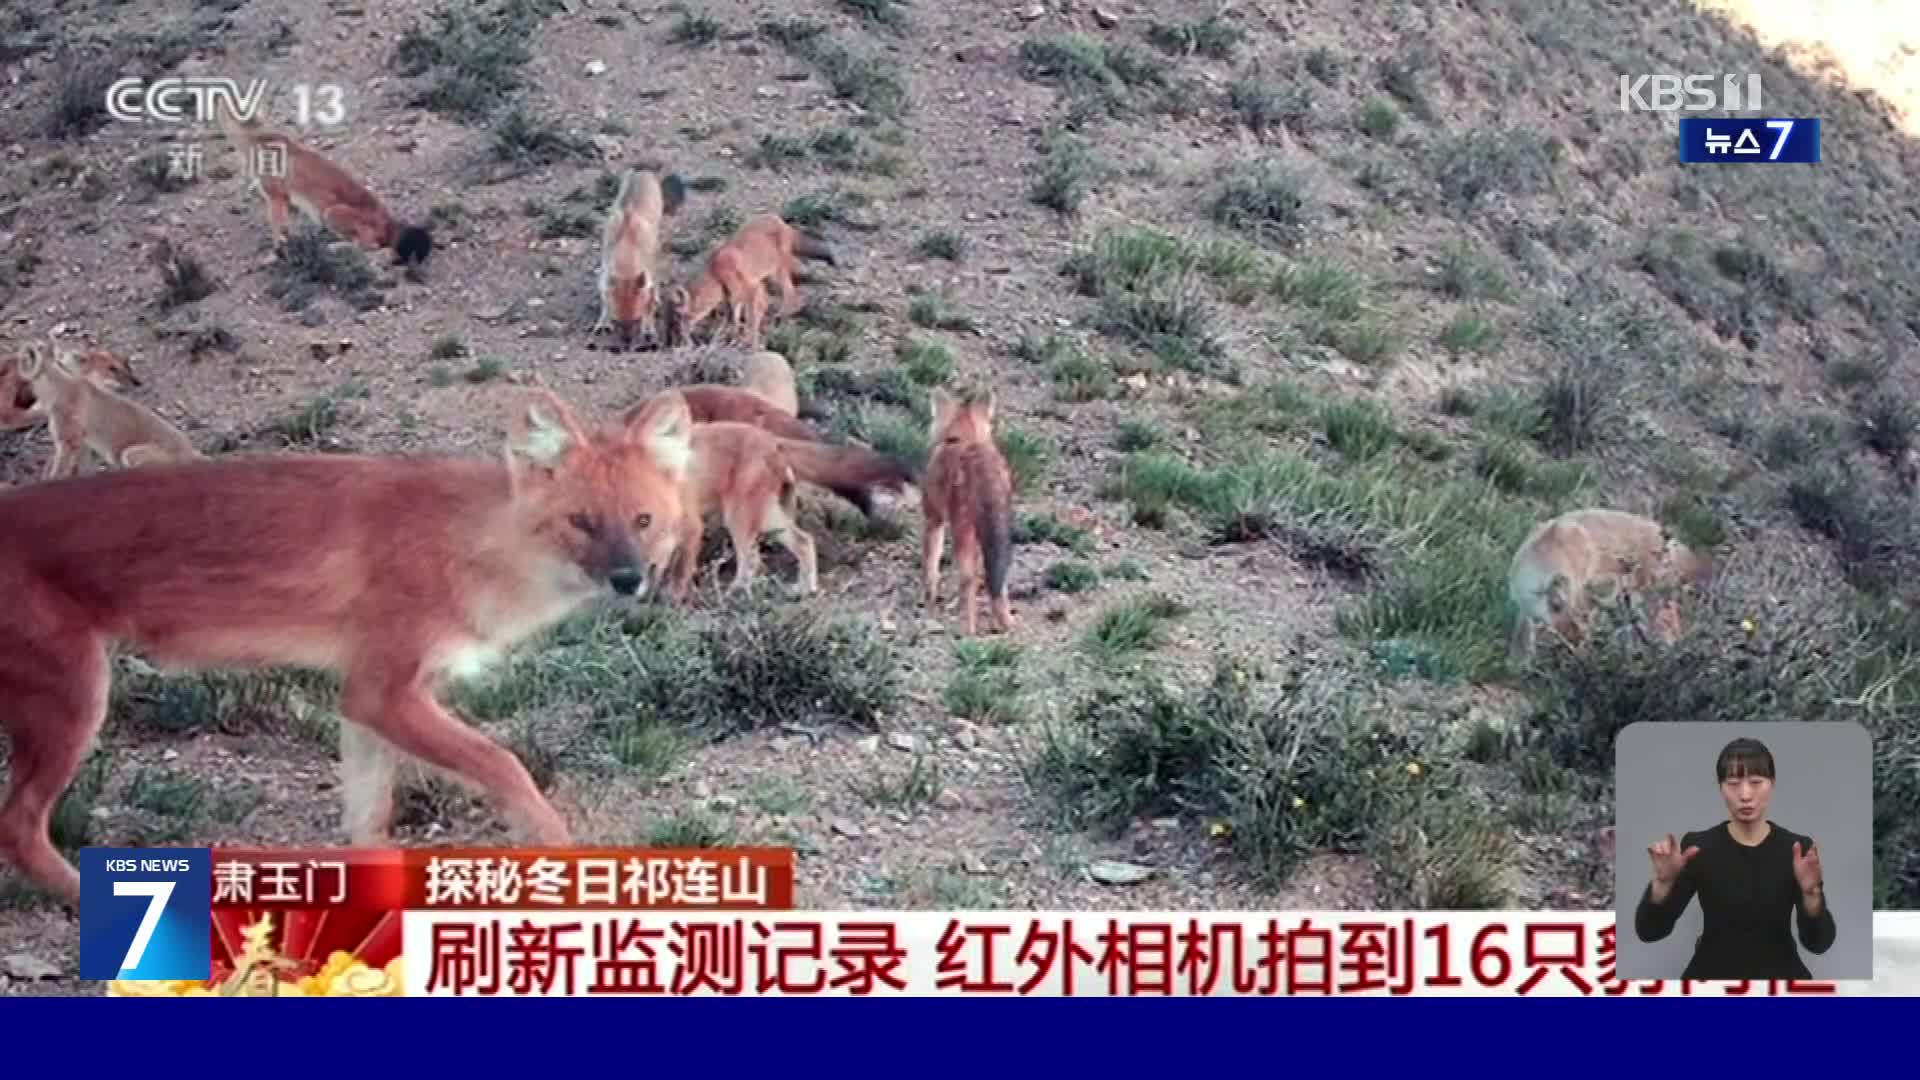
(625, 581)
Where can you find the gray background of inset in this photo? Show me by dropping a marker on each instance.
(1664, 783)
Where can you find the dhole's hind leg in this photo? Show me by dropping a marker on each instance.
(744, 526)
(399, 708)
(53, 699)
(800, 545)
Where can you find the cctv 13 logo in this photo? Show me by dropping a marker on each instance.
(146, 913)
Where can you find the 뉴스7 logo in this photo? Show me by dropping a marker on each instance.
(1688, 93)
(168, 100)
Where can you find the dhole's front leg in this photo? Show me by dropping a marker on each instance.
(69, 455)
(367, 766)
(54, 685)
(397, 706)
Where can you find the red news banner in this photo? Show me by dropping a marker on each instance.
(312, 918)
(619, 922)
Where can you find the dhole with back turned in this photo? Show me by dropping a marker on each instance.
(1564, 558)
(968, 489)
(394, 573)
(74, 394)
(748, 476)
(630, 253)
(324, 192)
(765, 249)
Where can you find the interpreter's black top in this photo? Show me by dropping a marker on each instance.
(1746, 893)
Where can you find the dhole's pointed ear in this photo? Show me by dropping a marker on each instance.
(664, 425)
(544, 430)
(942, 404)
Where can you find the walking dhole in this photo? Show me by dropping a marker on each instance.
(394, 573)
(1564, 558)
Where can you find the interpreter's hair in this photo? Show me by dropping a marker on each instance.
(1744, 757)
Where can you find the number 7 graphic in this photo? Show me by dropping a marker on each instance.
(157, 893)
(1785, 128)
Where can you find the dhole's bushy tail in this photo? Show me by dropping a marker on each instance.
(808, 246)
(851, 472)
(996, 538)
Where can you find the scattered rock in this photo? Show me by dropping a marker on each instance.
(1115, 872)
(869, 744)
(949, 799)
(723, 802)
(966, 734)
(1034, 11)
(1105, 18)
(608, 146)
(975, 865)
(25, 966)
(900, 740)
(843, 827)
(595, 67)
(766, 91)
(976, 54)
(702, 789)
(780, 744)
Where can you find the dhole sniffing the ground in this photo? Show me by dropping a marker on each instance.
(394, 573)
(749, 477)
(1566, 557)
(765, 249)
(969, 489)
(630, 253)
(74, 394)
(323, 191)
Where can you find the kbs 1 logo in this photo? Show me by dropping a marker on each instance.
(1690, 93)
(146, 913)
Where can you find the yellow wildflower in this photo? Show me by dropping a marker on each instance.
(1299, 803)
(1748, 625)
(1413, 768)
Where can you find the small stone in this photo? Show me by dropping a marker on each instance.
(27, 966)
(608, 146)
(949, 799)
(170, 755)
(723, 802)
(1165, 824)
(1105, 18)
(966, 734)
(900, 740)
(975, 865)
(766, 91)
(975, 54)
(1034, 11)
(702, 789)
(534, 302)
(1115, 872)
(842, 827)
(868, 745)
(595, 67)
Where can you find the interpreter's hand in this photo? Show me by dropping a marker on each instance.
(1806, 868)
(1669, 860)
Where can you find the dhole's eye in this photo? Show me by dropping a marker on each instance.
(582, 522)
(643, 521)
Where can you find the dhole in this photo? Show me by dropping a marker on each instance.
(630, 250)
(969, 489)
(1564, 558)
(74, 395)
(764, 249)
(766, 398)
(749, 475)
(391, 572)
(323, 191)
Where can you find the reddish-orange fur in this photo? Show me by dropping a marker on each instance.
(738, 471)
(968, 488)
(394, 573)
(630, 250)
(1552, 574)
(717, 403)
(324, 192)
(765, 249)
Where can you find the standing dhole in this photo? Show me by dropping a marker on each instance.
(75, 396)
(1565, 557)
(394, 573)
(765, 249)
(969, 489)
(630, 252)
(291, 175)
